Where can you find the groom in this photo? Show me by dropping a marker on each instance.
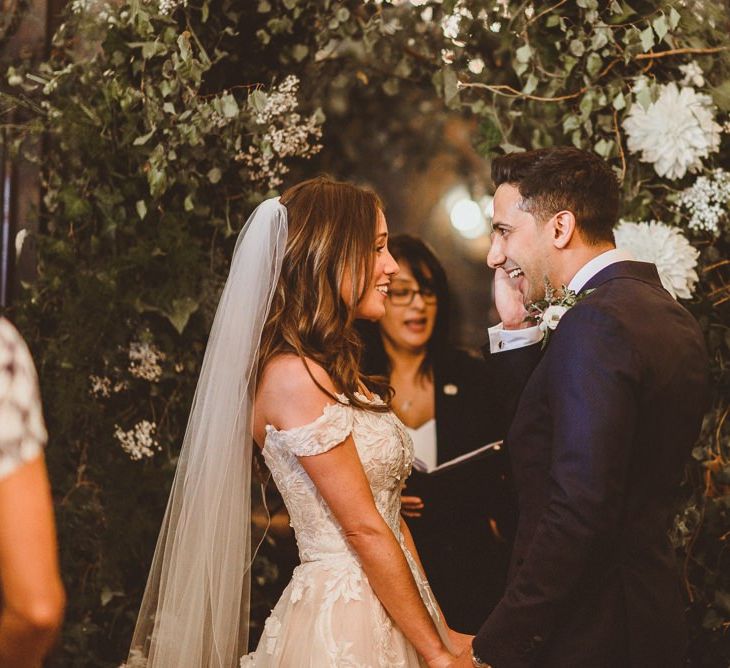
(602, 431)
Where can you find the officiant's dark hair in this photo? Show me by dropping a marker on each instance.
(564, 178)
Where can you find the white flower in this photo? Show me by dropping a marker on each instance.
(144, 361)
(665, 246)
(675, 132)
(286, 134)
(139, 441)
(551, 317)
(167, 7)
(706, 201)
(101, 386)
(476, 66)
(693, 75)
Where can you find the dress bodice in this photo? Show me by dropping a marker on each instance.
(329, 616)
(386, 453)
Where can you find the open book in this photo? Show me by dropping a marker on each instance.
(420, 466)
(473, 480)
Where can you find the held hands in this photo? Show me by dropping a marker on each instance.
(509, 298)
(442, 660)
(460, 642)
(460, 654)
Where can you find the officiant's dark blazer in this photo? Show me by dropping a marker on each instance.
(602, 432)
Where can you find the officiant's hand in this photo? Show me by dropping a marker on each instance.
(411, 506)
(509, 298)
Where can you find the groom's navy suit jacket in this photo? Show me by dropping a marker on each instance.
(598, 444)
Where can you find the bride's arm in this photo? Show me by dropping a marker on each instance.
(340, 479)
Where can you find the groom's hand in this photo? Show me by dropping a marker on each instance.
(509, 298)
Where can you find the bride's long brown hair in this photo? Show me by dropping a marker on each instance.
(331, 233)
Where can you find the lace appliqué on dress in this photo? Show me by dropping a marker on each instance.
(315, 438)
(22, 432)
(329, 616)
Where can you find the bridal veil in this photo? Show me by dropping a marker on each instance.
(196, 604)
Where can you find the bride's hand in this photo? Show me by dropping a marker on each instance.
(442, 660)
(460, 642)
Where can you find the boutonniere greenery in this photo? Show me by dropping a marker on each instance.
(546, 313)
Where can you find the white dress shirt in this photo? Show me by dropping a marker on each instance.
(424, 445)
(501, 339)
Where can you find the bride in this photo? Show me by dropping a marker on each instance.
(281, 372)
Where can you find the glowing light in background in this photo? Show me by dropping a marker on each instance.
(468, 217)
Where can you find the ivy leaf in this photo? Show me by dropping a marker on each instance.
(523, 54)
(673, 18)
(257, 100)
(647, 38)
(570, 123)
(451, 87)
(660, 26)
(531, 84)
(577, 48)
(107, 595)
(181, 311)
(299, 52)
(183, 43)
(391, 87)
(643, 97)
(143, 139)
(619, 102)
(141, 209)
(593, 64)
(229, 106)
(603, 148)
(215, 175)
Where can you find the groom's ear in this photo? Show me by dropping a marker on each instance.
(563, 228)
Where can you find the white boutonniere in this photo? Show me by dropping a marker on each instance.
(546, 313)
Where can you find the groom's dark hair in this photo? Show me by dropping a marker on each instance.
(564, 179)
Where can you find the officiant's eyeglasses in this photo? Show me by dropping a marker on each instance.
(405, 296)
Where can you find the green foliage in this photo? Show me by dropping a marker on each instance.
(158, 129)
(147, 179)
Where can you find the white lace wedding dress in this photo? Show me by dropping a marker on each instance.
(328, 616)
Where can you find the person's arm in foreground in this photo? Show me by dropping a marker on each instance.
(32, 594)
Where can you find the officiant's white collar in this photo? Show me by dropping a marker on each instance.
(598, 263)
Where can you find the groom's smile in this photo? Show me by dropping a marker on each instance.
(520, 244)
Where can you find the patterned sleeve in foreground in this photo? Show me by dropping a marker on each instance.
(22, 432)
(327, 431)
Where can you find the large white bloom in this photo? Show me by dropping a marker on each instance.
(675, 132)
(665, 246)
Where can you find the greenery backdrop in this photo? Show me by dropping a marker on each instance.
(164, 124)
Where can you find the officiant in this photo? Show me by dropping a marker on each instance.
(462, 523)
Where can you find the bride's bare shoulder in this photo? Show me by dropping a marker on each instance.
(287, 392)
